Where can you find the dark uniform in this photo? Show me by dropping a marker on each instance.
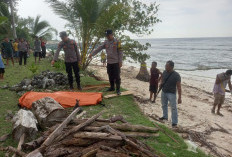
(114, 59)
(72, 57)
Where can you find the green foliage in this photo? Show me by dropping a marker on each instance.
(59, 65)
(33, 68)
(90, 18)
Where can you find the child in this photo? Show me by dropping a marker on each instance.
(156, 76)
(103, 58)
(2, 68)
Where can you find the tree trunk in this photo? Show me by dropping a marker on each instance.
(24, 122)
(13, 19)
(97, 136)
(143, 74)
(47, 111)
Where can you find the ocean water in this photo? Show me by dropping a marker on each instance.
(191, 54)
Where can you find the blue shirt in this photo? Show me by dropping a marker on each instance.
(1, 62)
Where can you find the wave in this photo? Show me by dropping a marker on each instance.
(192, 49)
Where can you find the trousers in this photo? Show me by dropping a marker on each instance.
(113, 71)
(75, 68)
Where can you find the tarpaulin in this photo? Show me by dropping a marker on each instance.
(66, 99)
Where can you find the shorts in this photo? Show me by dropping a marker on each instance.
(16, 54)
(219, 99)
(9, 55)
(38, 54)
(153, 89)
(2, 70)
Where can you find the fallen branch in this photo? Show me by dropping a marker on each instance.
(80, 126)
(97, 136)
(13, 150)
(53, 135)
(163, 131)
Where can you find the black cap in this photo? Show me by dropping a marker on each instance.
(108, 32)
(63, 34)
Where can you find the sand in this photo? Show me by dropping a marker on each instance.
(195, 111)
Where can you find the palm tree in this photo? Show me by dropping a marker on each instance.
(5, 28)
(40, 28)
(83, 16)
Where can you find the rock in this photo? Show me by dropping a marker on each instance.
(25, 82)
(82, 75)
(29, 88)
(9, 115)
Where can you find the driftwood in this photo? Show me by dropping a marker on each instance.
(122, 94)
(21, 141)
(97, 136)
(130, 142)
(80, 126)
(53, 135)
(13, 150)
(24, 123)
(121, 127)
(166, 133)
(47, 110)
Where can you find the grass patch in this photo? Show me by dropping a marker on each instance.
(123, 105)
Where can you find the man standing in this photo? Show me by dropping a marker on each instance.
(114, 60)
(171, 81)
(37, 48)
(23, 51)
(8, 50)
(72, 58)
(219, 90)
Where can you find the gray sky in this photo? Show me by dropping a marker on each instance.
(180, 18)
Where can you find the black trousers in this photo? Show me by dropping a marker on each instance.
(43, 52)
(22, 55)
(113, 71)
(72, 67)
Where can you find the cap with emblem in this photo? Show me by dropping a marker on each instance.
(63, 34)
(108, 32)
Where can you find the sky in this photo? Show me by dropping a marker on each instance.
(180, 18)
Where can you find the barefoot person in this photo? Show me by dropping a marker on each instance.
(37, 48)
(8, 49)
(219, 90)
(2, 68)
(114, 60)
(156, 76)
(72, 58)
(170, 82)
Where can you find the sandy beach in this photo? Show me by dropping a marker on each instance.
(194, 113)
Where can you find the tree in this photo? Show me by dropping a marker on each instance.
(5, 27)
(40, 28)
(12, 4)
(90, 18)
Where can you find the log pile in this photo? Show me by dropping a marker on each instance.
(92, 137)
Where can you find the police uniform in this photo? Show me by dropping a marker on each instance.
(72, 57)
(114, 58)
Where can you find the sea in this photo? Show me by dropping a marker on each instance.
(203, 57)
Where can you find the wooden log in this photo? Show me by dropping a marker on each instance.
(131, 143)
(128, 134)
(21, 141)
(122, 127)
(39, 141)
(24, 122)
(47, 110)
(55, 133)
(97, 135)
(13, 150)
(91, 153)
(102, 153)
(78, 142)
(80, 126)
(115, 95)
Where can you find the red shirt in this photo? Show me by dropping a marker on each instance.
(154, 81)
(43, 44)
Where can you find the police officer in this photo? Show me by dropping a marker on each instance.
(114, 59)
(72, 58)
